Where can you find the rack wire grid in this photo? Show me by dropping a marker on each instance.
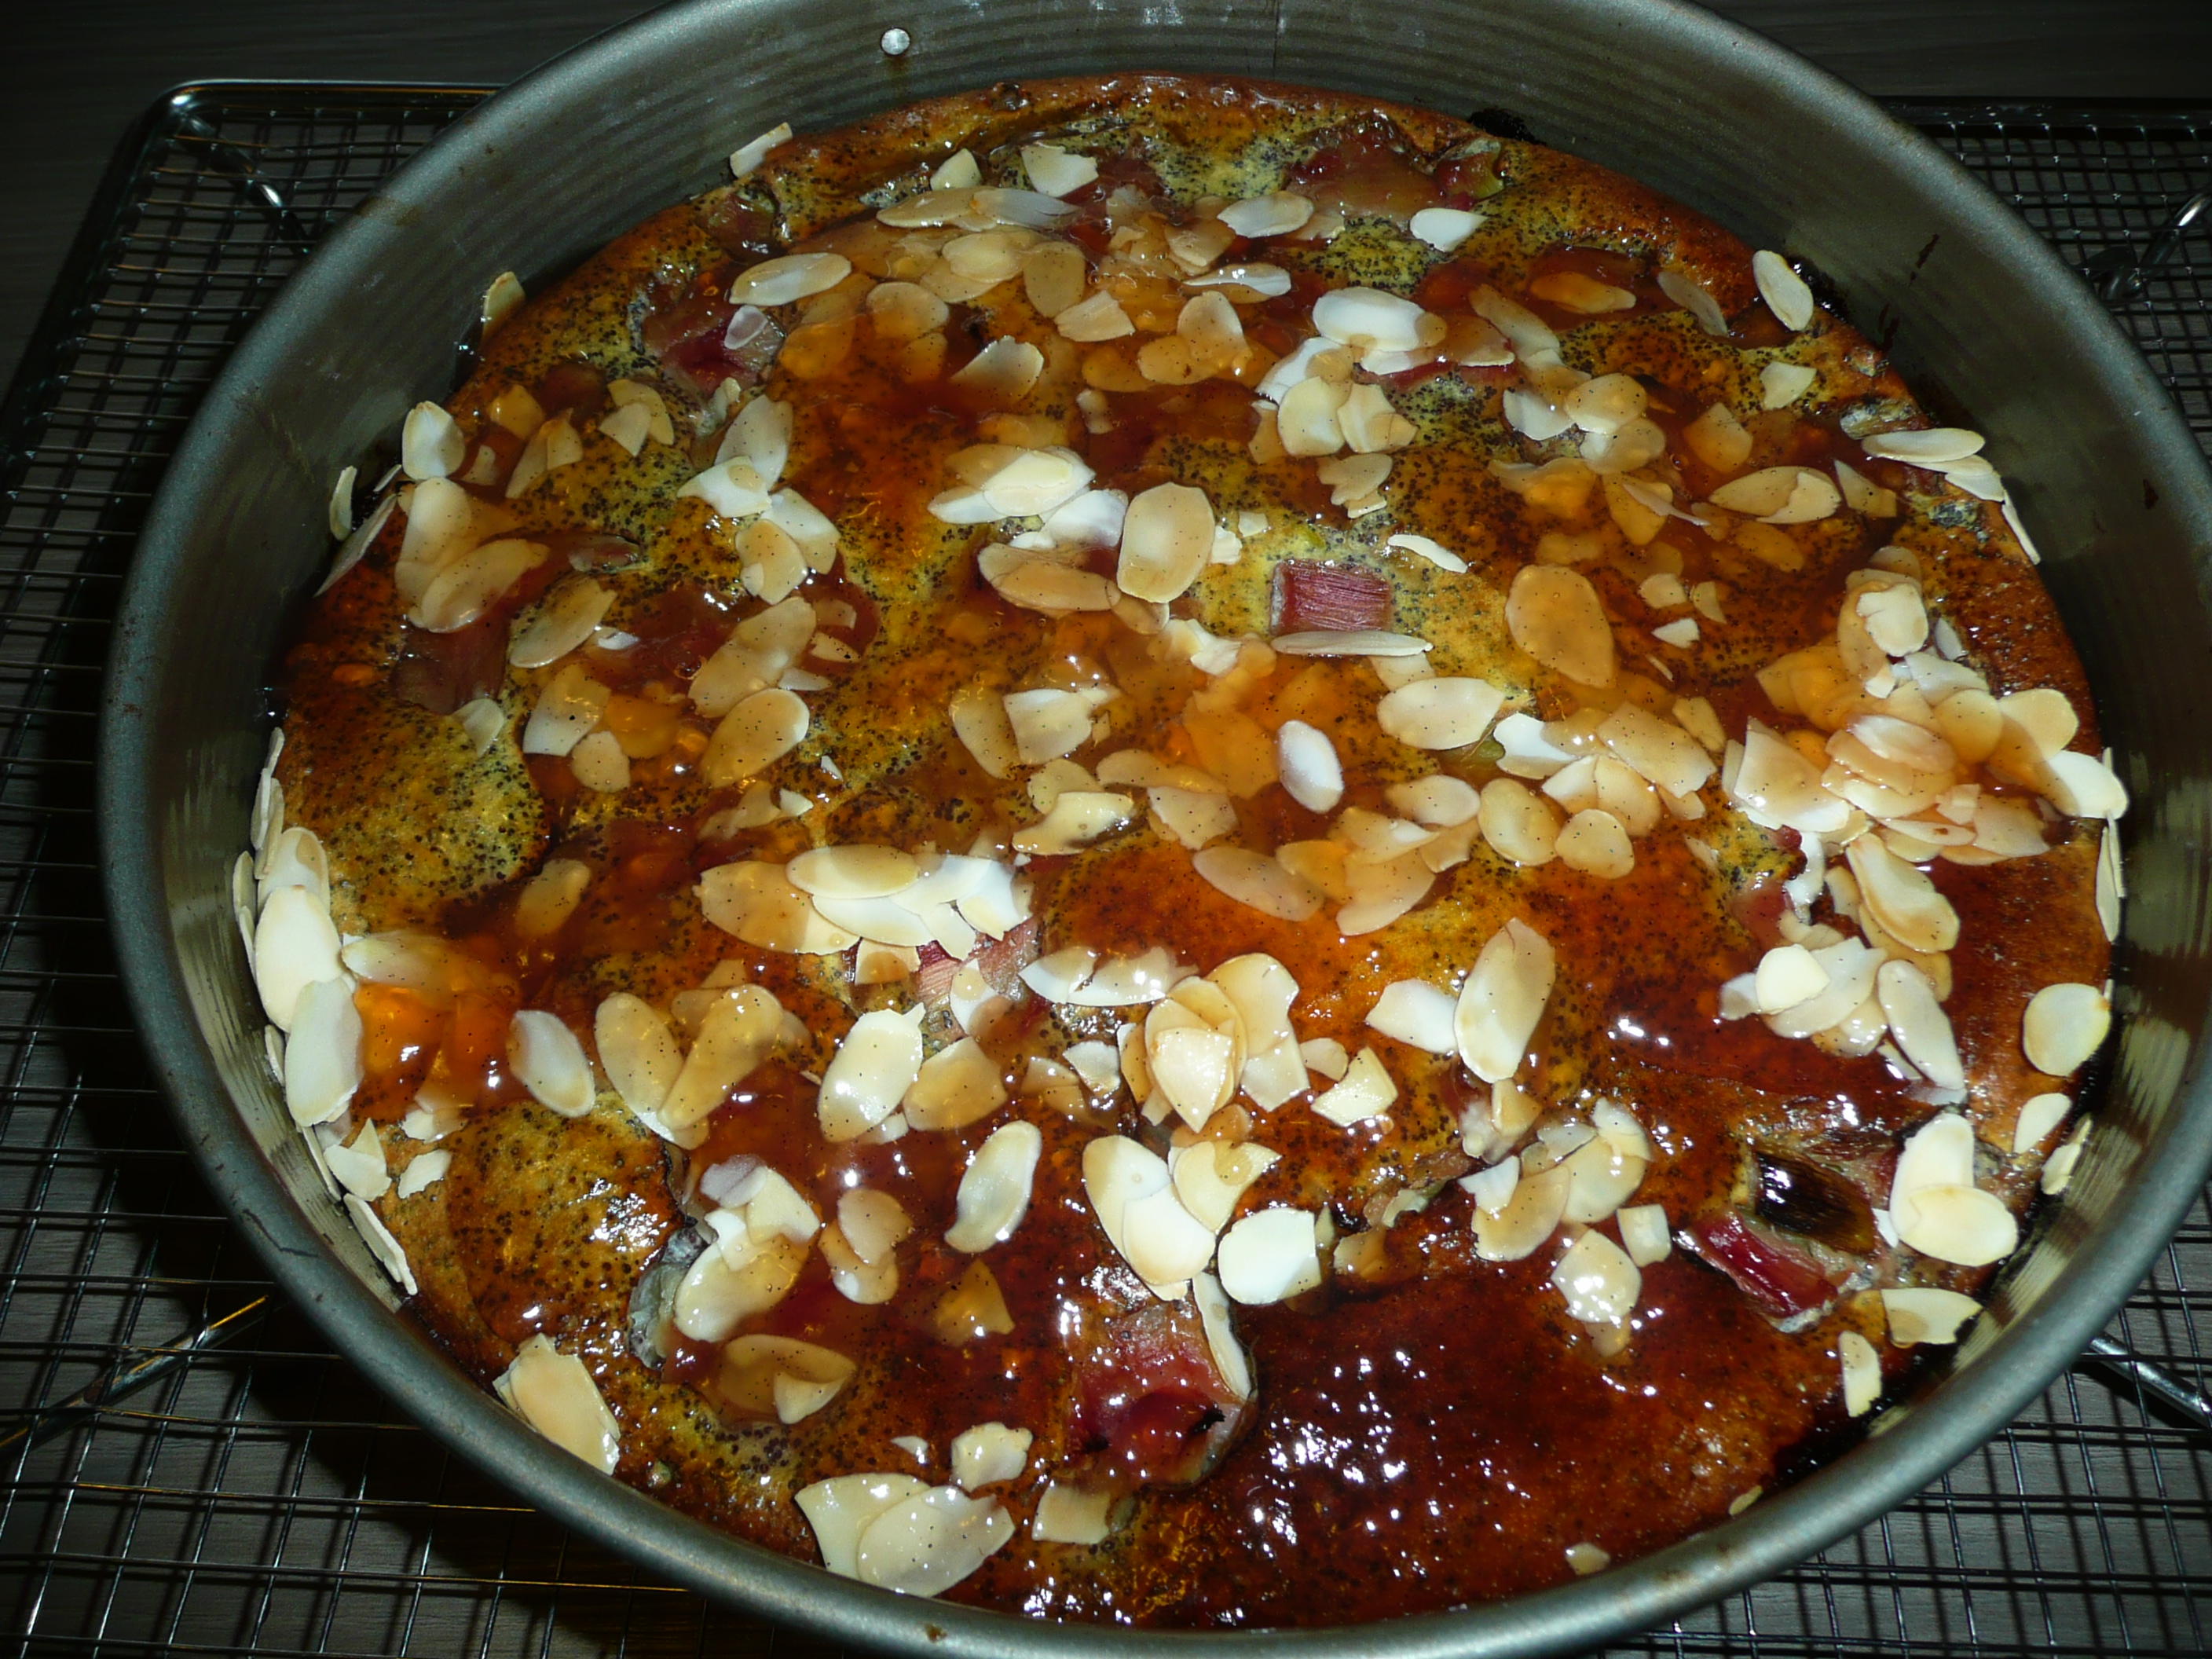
(258, 1496)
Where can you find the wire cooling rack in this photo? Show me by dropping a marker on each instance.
(251, 1495)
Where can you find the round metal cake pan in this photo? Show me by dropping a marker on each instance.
(1978, 311)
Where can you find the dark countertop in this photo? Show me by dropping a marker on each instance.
(76, 74)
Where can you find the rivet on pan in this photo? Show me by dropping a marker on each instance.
(896, 42)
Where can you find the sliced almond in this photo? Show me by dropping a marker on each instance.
(994, 1190)
(1595, 842)
(1279, 213)
(1270, 1256)
(1917, 1314)
(1783, 289)
(1167, 539)
(785, 280)
(1131, 1193)
(549, 1062)
(1416, 1012)
(753, 901)
(1365, 1090)
(2064, 1026)
(757, 732)
(1255, 880)
(553, 1393)
(926, 1544)
(1600, 1282)
(876, 1064)
(1503, 999)
(1554, 614)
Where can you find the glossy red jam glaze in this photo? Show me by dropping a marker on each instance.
(1432, 1429)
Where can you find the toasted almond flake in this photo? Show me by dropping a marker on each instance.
(354, 546)
(1657, 749)
(294, 947)
(1902, 898)
(900, 311)
(1931, 446)
(1270, 1256)
(1167, 539)
(1070, 1515)
(1438, 801)
(1926, 1314)
(1048, 723)
(876, 1063)
(2065, 1025)
(549, 1062)
(1781, 385)
(1719, 439)
(1645, 1233)
(748, 157)
(733, 489)
(1279, 213)
(638, 1052)
(1595, 842)
(1422, 547)
(840, 1509)
(754, 902)
(1600, 1282)
(988, 1454)
(1097, 318)
(1554, 614)
(1258, 881)
(600, 764)
(994, 1190)
(1587, 1559)
(873, 1224)
(422, 1172)
(854, 871)
(1681, 634)
(1348, 642)
(431, 442)
(1787, 976)
(1503, 999)
(1416, 1012)
(502, 296)
(1003, 371)
(1861, 1370)
(1518, 823)
(1310, 771)
(1678, 286)
(1192, 817)
(1255, 281)
(295, 858)
(1957, 1223)
(760, 730)
(2058, 1173)
(471, 584)
(1917, 1021)
(793, 277)
(563, 621)
(927, 1543)
(2039, 1119)
(1783, 289)
(553, 1393)
(1077, 818)
(382, 1244)
(1444, 229)
(2082, 787)
(1367, 319)
(322, 1053)
(1044, 579)
(1133, 1196)
(1210, 1177)
(1445, 712)
(1366, 1090)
